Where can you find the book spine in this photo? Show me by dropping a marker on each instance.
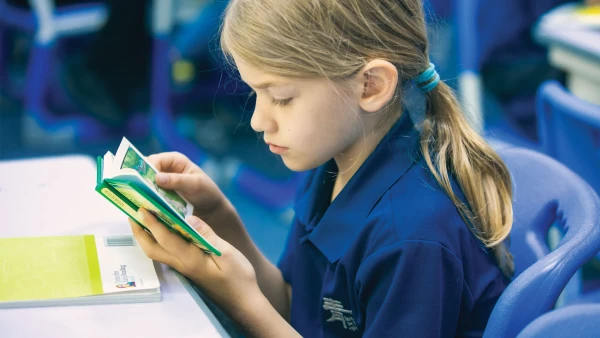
(175, 223)
(119, 201)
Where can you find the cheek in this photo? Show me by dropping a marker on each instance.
(339, 123)
(323, 121)
(328, 129)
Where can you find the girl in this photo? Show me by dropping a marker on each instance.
(399, 229)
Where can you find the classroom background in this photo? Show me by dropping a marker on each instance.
(77, 76)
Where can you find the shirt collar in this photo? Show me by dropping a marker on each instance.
(332, 229)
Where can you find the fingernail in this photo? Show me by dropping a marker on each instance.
(161, 178)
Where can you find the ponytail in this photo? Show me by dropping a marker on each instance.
(451, 146)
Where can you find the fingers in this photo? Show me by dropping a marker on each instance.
(172, 162)
(207, 232)
(149, 245)
(188, 184)
(172, 243)
(169, 248)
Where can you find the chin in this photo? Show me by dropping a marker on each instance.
(296, 166)
(299, 165)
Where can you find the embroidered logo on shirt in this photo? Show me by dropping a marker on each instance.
(337, 314)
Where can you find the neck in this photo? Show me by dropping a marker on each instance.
(349, 161)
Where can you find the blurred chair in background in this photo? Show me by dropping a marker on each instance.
(109, 77)
(466, 14)
(66, 102)
(48, 25)
(512, 65)
(570, 130)
(161, 109)
(274, 194)
(545, 193)
(497, 55)
(582, 321)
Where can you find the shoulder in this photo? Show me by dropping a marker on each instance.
(417, 209)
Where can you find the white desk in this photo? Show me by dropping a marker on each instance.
(55, 196)
(573, 48)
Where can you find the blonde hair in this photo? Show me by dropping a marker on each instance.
(335, 39)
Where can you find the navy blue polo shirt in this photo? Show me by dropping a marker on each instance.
(390, 256)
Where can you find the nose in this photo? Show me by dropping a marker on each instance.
(261, 120)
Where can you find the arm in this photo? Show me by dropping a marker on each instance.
(262, 320)
(228, 225)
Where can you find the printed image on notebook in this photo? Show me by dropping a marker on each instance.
(75, 270)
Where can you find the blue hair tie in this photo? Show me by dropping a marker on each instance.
(428, 79)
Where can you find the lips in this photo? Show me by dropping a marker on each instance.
(275, 149)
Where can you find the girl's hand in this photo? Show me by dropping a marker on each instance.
(229, 279)
(178, 173)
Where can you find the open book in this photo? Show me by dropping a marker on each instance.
(75, 270)
(128, 181)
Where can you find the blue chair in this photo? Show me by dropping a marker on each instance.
(468, 49)
(545, 193)
(49, 25)
(582, 321)
(491, 34)
(569, 130)
(161, 105)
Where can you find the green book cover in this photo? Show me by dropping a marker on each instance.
(127, 180)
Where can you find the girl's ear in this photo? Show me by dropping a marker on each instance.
(376, 85)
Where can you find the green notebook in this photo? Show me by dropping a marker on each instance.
(75, 270)
(128, 181)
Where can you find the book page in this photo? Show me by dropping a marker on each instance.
(107, 164)
(128, 157)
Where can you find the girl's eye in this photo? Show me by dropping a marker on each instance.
(281, 103)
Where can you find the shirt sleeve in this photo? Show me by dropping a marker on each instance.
(410, 289)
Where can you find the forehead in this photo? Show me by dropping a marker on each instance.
(255, 77)
(259, 79)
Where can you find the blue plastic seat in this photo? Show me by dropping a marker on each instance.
(569, 129)
(582, 321)
(545, 193)
(49, 25)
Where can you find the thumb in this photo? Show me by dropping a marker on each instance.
(207, 232)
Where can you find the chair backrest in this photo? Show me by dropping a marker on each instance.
(571, 321)
(545, 192)
(569, 129)
(49, 24)
(468, 50)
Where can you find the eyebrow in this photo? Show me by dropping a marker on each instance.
(264, 85)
